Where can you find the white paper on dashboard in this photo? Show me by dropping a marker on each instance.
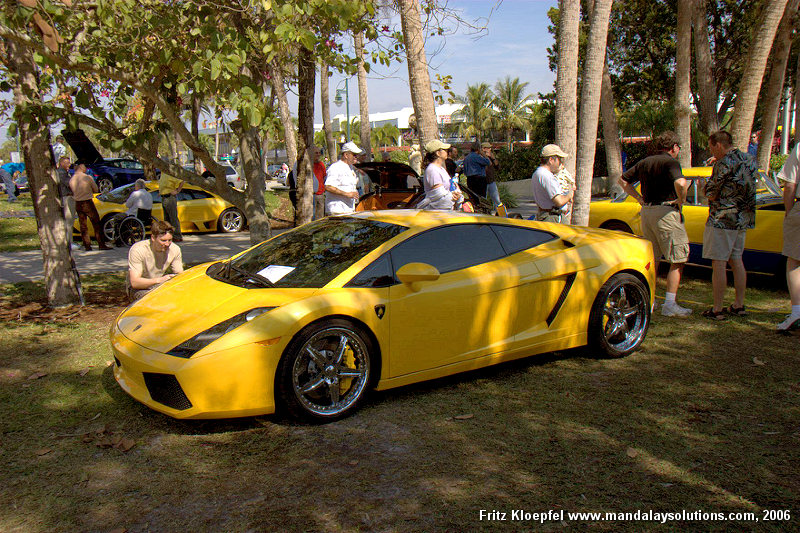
(275, 273)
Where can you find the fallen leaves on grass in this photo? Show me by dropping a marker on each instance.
(758, 362)
(464, 417)
(37, 375)
(43, 451)
(85, 371)
(631, 452)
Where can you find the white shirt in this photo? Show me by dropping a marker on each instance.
(791, 168)
(436, 175)
(545, 188)
(58, 151)
(141, 199)
(341, 176)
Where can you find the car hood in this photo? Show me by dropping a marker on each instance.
(386, 166)
(82, 146)
(191, 303)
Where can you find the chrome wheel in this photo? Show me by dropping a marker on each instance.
(105, 184)
(329, 373)
(231, 221)
(620, 315)
(109, 226)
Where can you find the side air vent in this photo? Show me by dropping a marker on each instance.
(561, 298)
(165, 389)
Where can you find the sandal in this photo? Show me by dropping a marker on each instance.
(736, 311)
(714, 315)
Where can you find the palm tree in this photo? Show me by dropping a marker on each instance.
(567, 79)
(363, 98)
(683, 60)
(418, 77)
(750, 84)
(590, 108)
(771, 100)
(511, 106)
(476, 114)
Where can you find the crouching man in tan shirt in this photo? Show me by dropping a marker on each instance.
(150, 259)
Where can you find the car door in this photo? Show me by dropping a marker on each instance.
(461, 315)
(195, 208)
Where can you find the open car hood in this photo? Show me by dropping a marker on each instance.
(82, 146)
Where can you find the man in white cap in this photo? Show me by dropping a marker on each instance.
(341, 183)
(547, 191)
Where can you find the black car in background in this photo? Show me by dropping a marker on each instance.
(109, 173)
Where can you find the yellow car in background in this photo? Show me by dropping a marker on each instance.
(310, 320)
(762, 247)
(198, 210)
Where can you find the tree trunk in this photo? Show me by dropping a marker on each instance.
(752, 77)
(567, 81)
(306, 76)
(325, 100)
(279, 90)
(610, 133)
(709, 121)
(683, 63)
(418, 76)
(771, 101)
(590, 106)
(795, 98)
(196, 130)
(254, 206)
(60, 277)
(363, 96)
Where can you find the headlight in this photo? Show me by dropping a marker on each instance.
(204, 338)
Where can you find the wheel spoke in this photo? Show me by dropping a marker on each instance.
(337, 359)
(615, 327)
(345, 372)
(629, 312)
(333, 389)
(317, 357)
(312, 385)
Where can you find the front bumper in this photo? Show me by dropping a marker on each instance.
(225, 384)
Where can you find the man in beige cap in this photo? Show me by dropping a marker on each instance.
(547, 191)
(341, 183)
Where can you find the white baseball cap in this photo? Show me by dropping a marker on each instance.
(351, 147)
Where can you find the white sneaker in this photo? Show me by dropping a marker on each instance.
(791, 322)
(673, 309)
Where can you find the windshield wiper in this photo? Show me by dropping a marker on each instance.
(258, 278)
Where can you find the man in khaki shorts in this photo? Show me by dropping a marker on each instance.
(731, 193)
(790, 175)
(662, 197)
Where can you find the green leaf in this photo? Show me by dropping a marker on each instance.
(82, 99)
(216, 68)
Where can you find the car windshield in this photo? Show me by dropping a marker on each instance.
(116, 196)
(308, 257)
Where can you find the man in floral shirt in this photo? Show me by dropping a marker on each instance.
(731, 193)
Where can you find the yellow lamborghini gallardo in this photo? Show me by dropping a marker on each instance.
(312, 319)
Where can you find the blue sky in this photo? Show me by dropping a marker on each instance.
(514, 44)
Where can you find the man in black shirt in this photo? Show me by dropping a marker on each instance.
(662, 197)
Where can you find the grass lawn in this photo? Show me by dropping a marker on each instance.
(705, 417)
(18, 233)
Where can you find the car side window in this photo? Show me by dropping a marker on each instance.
(377, 274)
(156, 197)
(516, 239)
(450, 248)
(196, 195)
(183, 196)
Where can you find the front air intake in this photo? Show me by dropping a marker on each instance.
(165, 389)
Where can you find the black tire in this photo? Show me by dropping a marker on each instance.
(130, 231)
(105, 183)
(620, 316)
(109, 226)
(617, 225)
(231, 221)
(325, 372)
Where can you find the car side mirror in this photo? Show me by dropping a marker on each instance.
(412, 273)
